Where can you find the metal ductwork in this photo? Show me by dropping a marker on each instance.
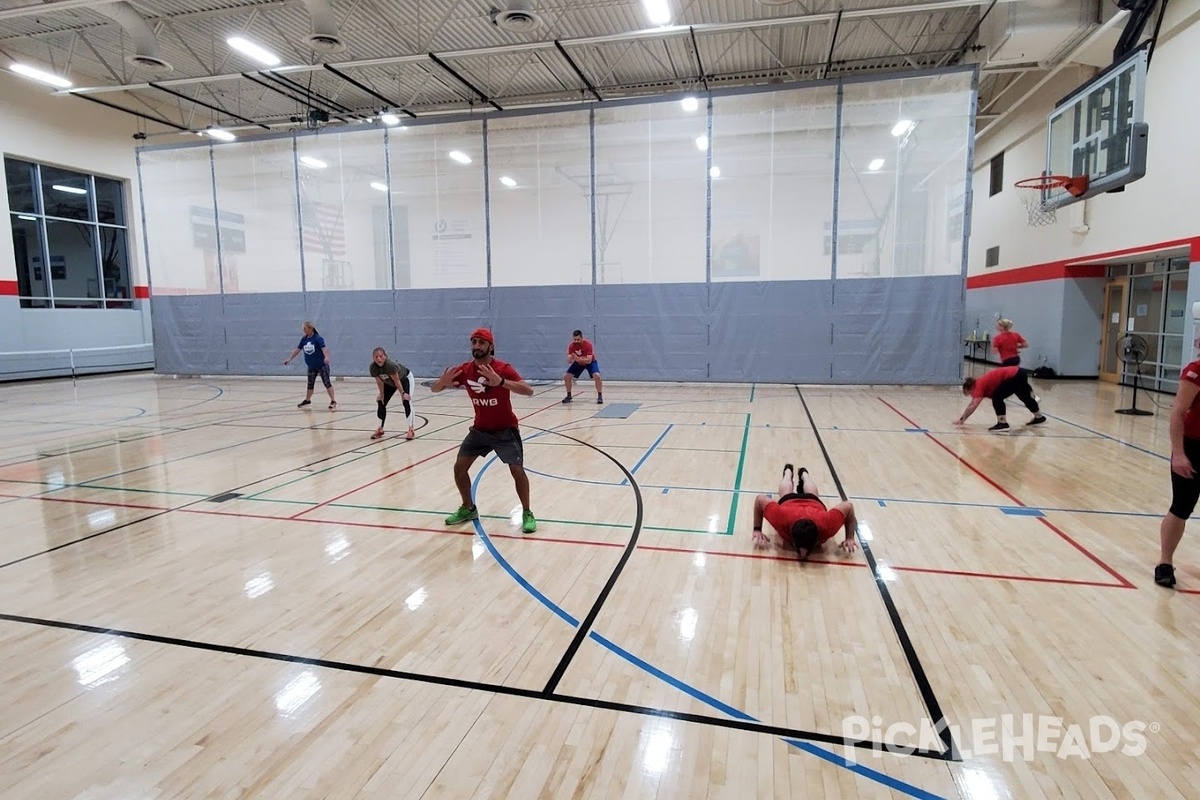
(146, 53)
(325, 37)
(1036, 31)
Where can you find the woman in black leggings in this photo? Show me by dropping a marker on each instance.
(391, 377)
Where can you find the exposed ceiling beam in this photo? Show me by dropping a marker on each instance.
(930, 7)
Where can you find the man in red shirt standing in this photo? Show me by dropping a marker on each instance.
(581, 356)
(998, 384)
(802, 520)
(1185, 470)
(488, 381)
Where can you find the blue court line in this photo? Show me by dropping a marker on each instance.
(1111, 438)
(653, 447)
(915, 501)
(712, 702)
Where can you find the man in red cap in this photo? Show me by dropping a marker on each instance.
(488, 382)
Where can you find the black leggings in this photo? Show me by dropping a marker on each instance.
(388, 391)
(1186, 491)
(1017, 385)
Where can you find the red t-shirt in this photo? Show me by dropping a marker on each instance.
(581, 349)
(990, 381)
(783, 517)
(493, 405)
(1191, 420)
(1006, 344)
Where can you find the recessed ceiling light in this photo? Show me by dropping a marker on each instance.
(460, 156)
(658, 11)
(249, 48)
(68, 189)
(389, 119)
(41, 75)
(380, 186)
(902, 127)
(715, 172)
(315, 163)
(217, 133)
(689, 103)
(507, 181)
(702, 142)
(875, 165)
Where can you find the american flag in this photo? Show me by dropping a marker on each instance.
(324, 229)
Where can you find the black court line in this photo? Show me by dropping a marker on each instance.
(198, 501)
(940, 723)
(202, 499)
(586, 625)
(480, 686)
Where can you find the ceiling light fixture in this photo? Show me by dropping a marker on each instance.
(257, 52)
(41, 75)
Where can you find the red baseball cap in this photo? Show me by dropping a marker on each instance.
(483, 333)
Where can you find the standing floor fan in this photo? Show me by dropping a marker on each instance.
(1132, 351)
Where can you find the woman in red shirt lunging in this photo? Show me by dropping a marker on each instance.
(1007, 343)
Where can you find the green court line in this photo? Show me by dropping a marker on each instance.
(753, 386)
(359, 507)
(341, 464)
(737, 481)
(505, 516)
(141, 491)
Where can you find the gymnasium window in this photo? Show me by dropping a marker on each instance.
(70, 237)
(997, 174)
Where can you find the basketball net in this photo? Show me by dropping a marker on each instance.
(1031, 195)
(1038, 215)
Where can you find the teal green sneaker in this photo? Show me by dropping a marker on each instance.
(464, 514)
(529, 524)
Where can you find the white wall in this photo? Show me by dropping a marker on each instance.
(1158, 208)
(38, 126)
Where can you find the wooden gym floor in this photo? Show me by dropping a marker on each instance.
(207, 592)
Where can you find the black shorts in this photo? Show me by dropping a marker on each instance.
(506, 443)
(799, 496)
(1186, 491)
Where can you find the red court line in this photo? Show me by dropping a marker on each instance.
(1125, 584)
(586, 542)
(298, 514)
(85, 502)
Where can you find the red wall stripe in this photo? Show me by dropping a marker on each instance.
(141, 292)
(1074, 267)
(8, 288)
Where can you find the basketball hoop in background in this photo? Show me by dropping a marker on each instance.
(1034, 190)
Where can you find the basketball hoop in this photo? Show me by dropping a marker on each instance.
(1035, 189)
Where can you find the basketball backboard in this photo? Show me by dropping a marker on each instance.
(1099, 131)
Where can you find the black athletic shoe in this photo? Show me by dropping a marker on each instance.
(999, 426)
(800, 479)
(1038, 420)
(1164, 575)
(788, 468)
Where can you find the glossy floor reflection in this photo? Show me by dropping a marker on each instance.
(205, 591)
